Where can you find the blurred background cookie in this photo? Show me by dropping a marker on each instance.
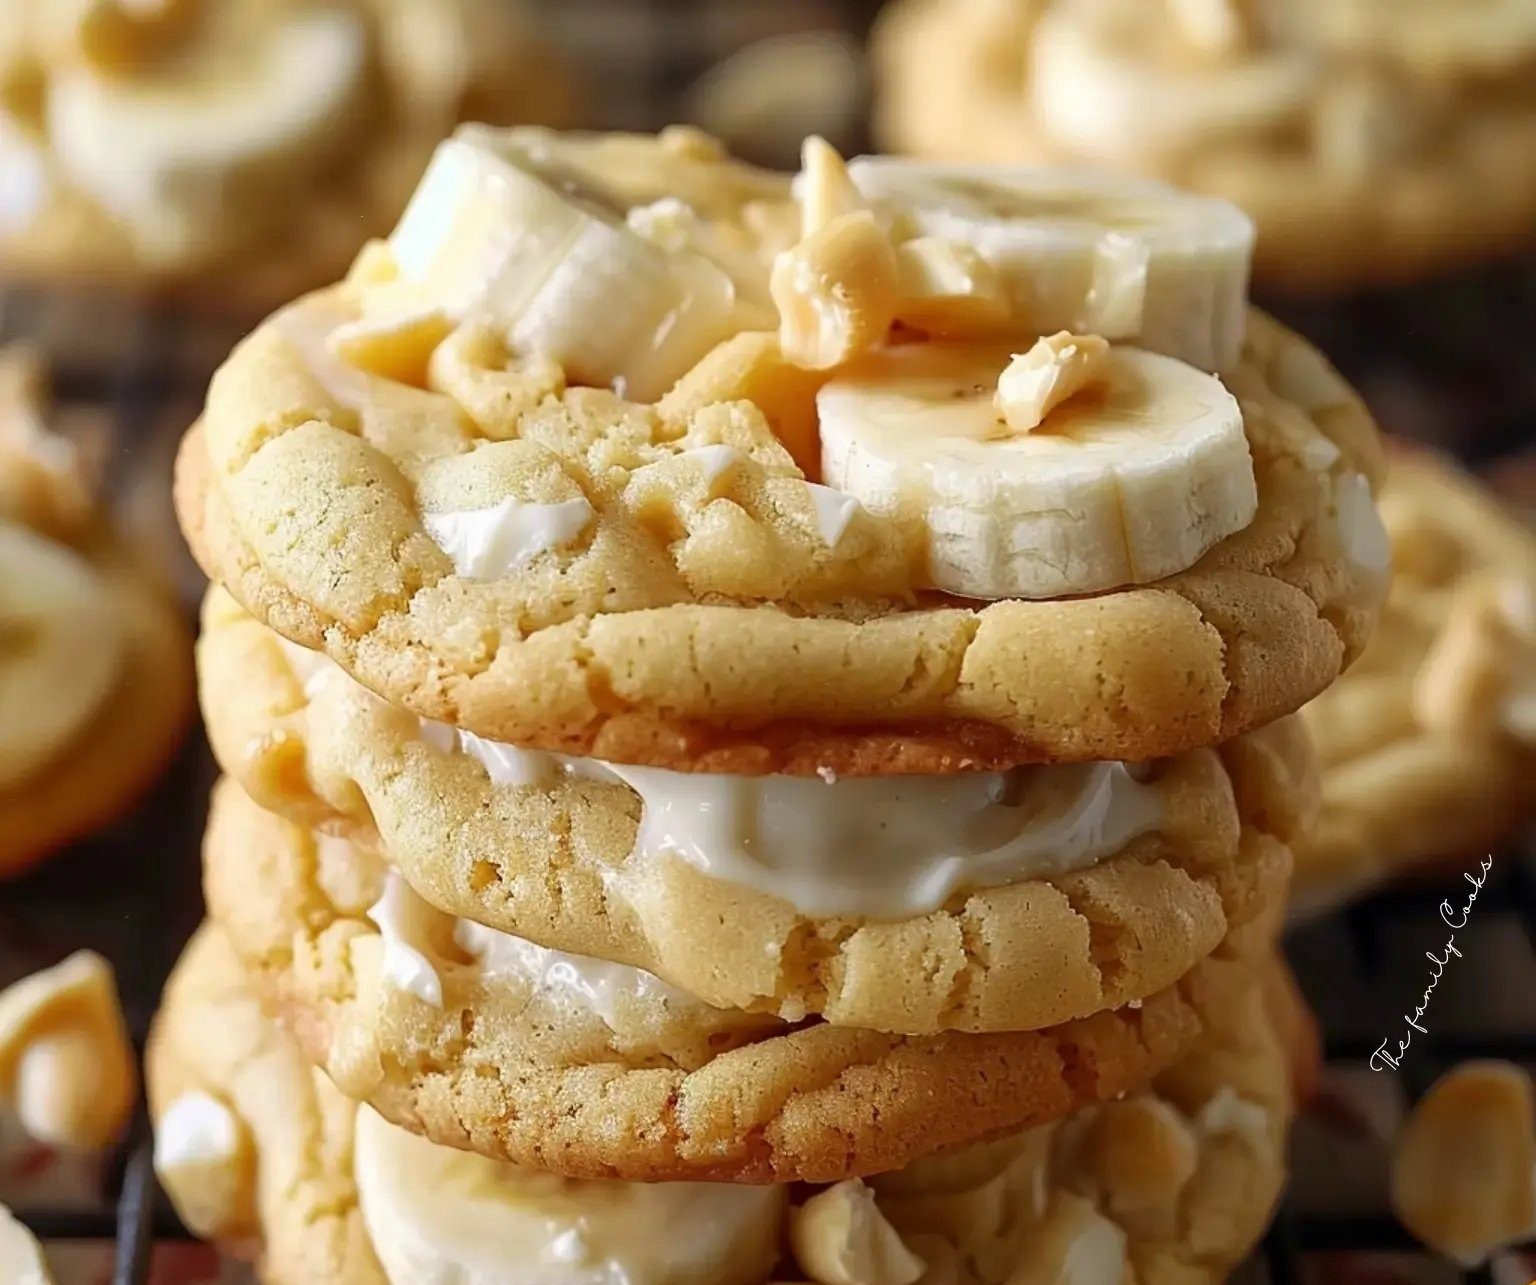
(94, 673)
(235, 152)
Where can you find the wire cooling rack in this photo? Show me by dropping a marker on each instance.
(1449, 355)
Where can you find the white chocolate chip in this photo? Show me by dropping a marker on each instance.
(1056, 368)
(205, 1161)
(1464, 1171)
(840, 1237)
(65, 1058)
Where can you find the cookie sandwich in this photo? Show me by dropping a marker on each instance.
(1429, 743)
(95, 662)
(740, 682)
(237, 152)
(1374, 141)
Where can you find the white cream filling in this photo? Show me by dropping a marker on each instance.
(439, 1216)
(878, 847)
(874, 846)
(411, 964)
(596, 984)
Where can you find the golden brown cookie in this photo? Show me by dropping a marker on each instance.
(137, 155)
(445, 1029)
(636, 644)
(252, 1143)
(1429, 742)
(1373, 142)
(1169, 1186)
(95, 663)
(1190, 847)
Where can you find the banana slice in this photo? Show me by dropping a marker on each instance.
(1120, 83)
(1124, 483)
(61, 650)
(1120, 257)
(438, 1216)
(510, 225)
(198, 142)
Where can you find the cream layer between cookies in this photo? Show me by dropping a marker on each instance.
(877, 847)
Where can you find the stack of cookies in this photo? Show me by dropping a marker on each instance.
(756, 719)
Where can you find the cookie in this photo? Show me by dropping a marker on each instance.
(252, 1143)
(1373, 143)
(95, 663)
(136, 159)
(487, 1042)
(1173, 1183)
(1430, 740)
(828, 916)
(634, 641)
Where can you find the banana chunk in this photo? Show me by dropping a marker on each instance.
(61, 650)
(1121, 257)
(511, 224)
(436, 1214)
(1124, 487)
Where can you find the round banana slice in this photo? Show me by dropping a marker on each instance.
(1103, 254)
(61, 650)
(198, 141)
(438, 1216)
(1126, 482)
(1121, 83)
(508, 224)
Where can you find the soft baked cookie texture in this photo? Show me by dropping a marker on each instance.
(1373, 141)
(380, 473)
(1171, 1183)
(728, 684)
(489, 1042)
(161, 144)
(1133, 874)
(1429, 743)
(95, 664)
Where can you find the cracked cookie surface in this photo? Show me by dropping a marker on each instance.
(1175, 1181)
(504, 838)
(487, 1061)
(646, 639)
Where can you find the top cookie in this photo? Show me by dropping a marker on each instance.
(418, 471)
(1372, 140)
(160, 142)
